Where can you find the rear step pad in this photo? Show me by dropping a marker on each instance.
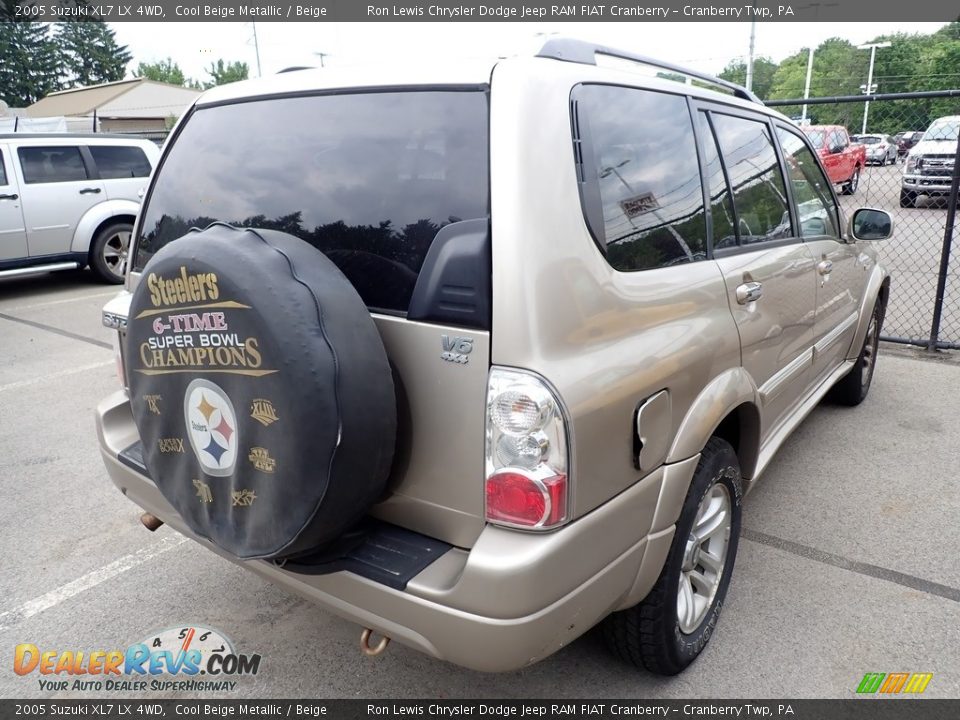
(376, 550)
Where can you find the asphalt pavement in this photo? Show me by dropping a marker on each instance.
(848, 563)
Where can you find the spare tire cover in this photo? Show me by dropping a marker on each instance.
(261, 390)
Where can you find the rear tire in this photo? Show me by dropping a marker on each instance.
(852, 389)
(908, 199)
(850, 187)
(108, 253)
(668, 630)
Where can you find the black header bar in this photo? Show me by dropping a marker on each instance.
(477, 11)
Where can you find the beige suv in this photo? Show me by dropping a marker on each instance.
(480, 356)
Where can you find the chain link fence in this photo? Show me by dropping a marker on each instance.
(917, 186)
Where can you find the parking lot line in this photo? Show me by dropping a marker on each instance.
(910, 581)
(79, 298)
(53, 598)
(58, 331)
(62, 373)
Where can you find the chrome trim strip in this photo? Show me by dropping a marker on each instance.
(36, 269)
(831, 337)
(775, 385)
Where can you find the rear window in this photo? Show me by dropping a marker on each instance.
(51, 164)
(120, 161)
(367, 178)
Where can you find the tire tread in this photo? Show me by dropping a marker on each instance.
(635, 635)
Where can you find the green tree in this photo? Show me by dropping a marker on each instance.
(764, 70)
(222, 73)
(165, 71)
(944, 69)
(89, 54)
(839, 68)
(28, 71)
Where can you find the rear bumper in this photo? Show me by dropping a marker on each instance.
(509, 601)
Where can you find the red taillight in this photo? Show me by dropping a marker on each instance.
(516, 498)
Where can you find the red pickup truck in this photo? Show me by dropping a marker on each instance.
(842, 159)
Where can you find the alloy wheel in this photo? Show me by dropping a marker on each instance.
(115, 251)
(869, 352)
(704, 558)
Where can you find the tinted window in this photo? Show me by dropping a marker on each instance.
(368, 179)
(51, 164)
(645, 165)
(759, 195)
(721, 208)
(3, 171)
(115, 161)
(816, 210)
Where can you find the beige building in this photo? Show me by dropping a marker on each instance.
(127, 106)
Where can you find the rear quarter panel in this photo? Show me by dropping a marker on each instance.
(606, 340)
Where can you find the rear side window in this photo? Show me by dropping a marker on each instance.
(759, 194)
(367, 178)
(120, 161)
(51, 164)
(721, 207)
(816, 210)
(637, 148)
(3, 171)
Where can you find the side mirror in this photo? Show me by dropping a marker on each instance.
(870, 224)
(834, 149)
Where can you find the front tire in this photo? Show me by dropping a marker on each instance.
(908, 199)
(852, 389)
(108, 253)
(669, 629)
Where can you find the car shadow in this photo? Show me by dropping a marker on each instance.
(50, 283)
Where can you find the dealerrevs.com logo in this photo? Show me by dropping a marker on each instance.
(188, 659)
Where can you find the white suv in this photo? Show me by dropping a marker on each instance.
(68, 201)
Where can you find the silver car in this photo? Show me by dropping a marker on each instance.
(881, 149)
(69, 201)
(480, 356)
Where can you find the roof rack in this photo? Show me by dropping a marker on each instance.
(296, 68)
(585, 53)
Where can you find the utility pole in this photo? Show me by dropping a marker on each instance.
(806, 87)
(753, 37)
(869, 88)
(322, 55)
(256, 47)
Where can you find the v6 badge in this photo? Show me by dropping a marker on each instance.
(456, 349)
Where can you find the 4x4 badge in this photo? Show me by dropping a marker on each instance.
(456, 349)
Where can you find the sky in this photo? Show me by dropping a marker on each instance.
(702, 46)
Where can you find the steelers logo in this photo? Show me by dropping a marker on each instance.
(211, 427)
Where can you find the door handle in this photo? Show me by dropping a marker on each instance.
(824, 267)
(14, 196)
(89, 190)
(749, 292)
